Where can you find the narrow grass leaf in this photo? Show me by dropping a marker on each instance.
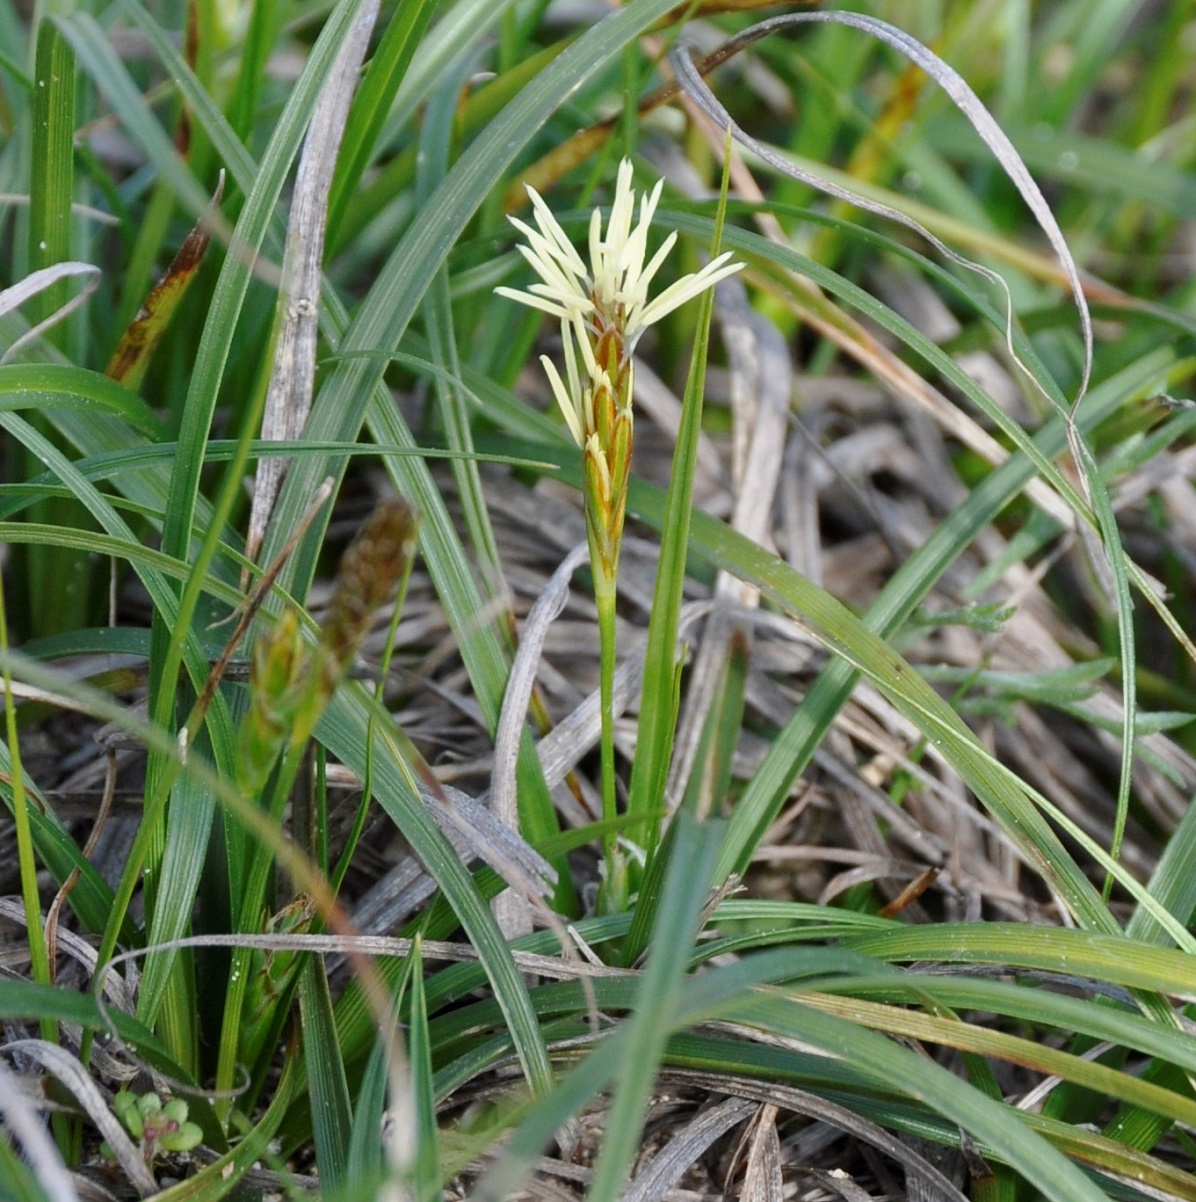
(265, 19)
(901, 1072)
(390, 181)
(344, 731)
(404, 34)
(96, 56)
(26, 862)
(538, 1125)
(45, 386)
(427, 1175)
(1172, 884)
(1093, 1016)
(223, 314)
(331, 1108)
(694, 849)
(51, 177)
(657, 722)
(1100, 955)
(537, 817)
(366, 1160)
(60, 855)
(157, 585)
(968, 103)
(978, 1040)
(1115, 562)
(46, 280)
(201, 105)
(182, 865)
(461, 27)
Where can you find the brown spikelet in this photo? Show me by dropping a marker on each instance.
(370, 571)
(277, 691)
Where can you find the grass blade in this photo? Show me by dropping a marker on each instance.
(654, 742)
(694, 848)
(331, 1108)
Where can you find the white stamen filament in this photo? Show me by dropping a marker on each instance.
(612, 290)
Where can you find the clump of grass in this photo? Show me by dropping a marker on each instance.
(884, 648)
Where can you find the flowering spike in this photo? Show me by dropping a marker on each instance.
(371, 569)
(604, 308)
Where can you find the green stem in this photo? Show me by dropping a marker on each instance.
(65, 1132)
(39, 957)
(606, 637)
(614, 891)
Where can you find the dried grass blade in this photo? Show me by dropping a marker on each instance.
(760, 385)
(41, 281)
(972, 108)
(77, 1079)
(471, 827)
(24, 1123)
(799, 1101)
(288, 400)
(763, 1180)
(666, 1168)
(511, 910)
(520, 684)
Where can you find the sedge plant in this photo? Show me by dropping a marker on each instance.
(604, 308)
(291, 685)
(794, 995)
